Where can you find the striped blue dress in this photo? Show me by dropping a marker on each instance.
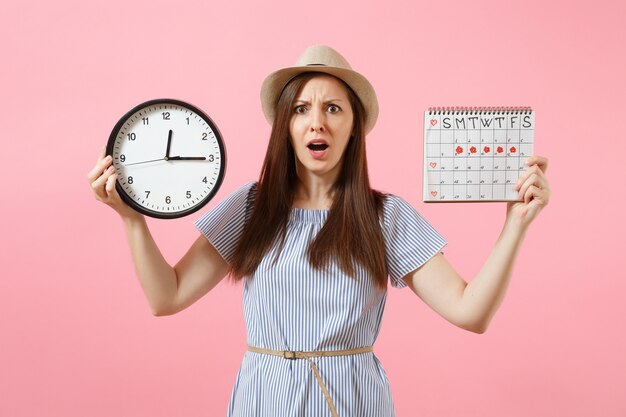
(288, 305)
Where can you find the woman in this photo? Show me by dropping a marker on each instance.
(314, 246)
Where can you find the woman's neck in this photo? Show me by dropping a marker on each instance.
(313, 193)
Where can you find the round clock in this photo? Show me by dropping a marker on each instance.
(169, 158)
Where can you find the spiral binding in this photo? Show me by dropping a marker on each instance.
(480, 110)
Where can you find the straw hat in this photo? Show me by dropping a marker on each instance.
(320, 58)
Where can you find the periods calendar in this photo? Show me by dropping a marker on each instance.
(475, 154)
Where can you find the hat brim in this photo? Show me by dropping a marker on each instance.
(275, 82)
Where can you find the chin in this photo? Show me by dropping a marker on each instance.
(319, 168)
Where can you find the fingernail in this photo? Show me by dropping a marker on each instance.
(110, 169)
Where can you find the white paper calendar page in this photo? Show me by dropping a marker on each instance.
(475, 154)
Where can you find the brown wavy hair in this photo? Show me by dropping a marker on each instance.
(352, 233)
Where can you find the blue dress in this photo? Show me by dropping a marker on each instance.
(288, 305)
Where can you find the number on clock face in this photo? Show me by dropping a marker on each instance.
(169, 157)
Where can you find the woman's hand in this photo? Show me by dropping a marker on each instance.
(534, 191)
(102, 179)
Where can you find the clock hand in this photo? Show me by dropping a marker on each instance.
(169, 144)
(171, 158)
(186, 158)
(145, 162)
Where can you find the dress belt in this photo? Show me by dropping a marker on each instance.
(289, 354)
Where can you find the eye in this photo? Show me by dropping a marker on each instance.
(301, 109)
(333, 108)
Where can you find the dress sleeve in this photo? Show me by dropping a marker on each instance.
(410, 240)
(223, 225)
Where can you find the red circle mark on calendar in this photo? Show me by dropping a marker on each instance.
(500, 150)
(513, 150)
(433, 122)
(473, 149)
(486, 149)
(459, 149)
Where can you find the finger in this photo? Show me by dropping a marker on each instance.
(534, 207)
(534, 169)
(536, 181)
(540, 161)
(98, 185)
(533, 179)
(99, 168)
(533, 193)
(110, 185)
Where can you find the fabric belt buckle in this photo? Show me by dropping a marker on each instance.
(289, 354)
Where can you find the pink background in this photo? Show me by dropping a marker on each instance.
(77, 337)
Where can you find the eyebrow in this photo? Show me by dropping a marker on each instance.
(325, 101)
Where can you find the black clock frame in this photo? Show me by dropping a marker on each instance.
(168, 101)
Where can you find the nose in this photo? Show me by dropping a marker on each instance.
(317, 120)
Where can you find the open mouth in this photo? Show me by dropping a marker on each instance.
(317, 146)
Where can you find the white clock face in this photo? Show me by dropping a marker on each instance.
(169, 158)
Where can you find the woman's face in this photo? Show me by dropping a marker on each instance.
(320, 127)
